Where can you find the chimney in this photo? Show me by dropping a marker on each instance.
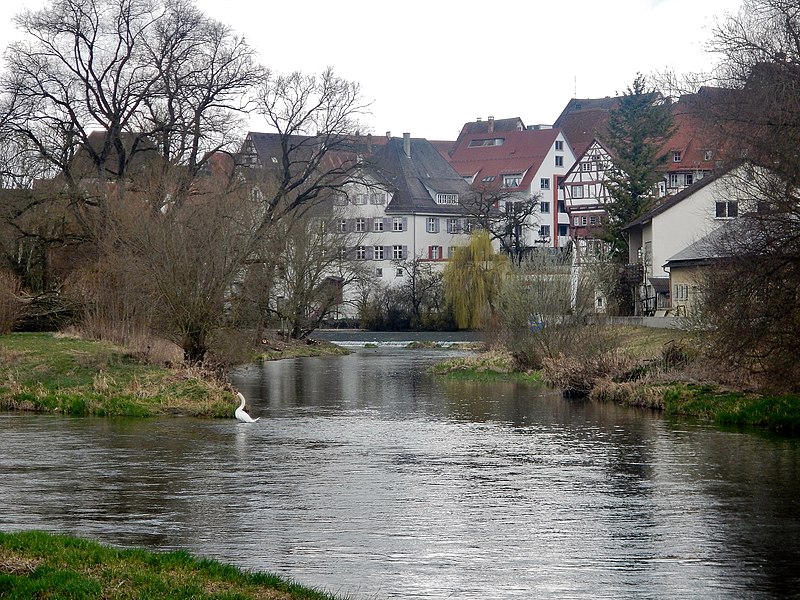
(477, 119)
(407, 144)
(388, 135)
(369, 143)
(491, 124)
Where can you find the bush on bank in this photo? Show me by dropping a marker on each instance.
(35, 564)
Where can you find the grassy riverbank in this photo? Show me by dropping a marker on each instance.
(40, 565)
(660, 369)
(43, 372)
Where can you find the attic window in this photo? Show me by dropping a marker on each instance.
(676, 156)
(275, 159)
(446, 198)
(486, 142)
(512, 180)
(488, 179)
(708, 154)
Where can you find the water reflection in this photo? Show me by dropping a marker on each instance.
(368, 477)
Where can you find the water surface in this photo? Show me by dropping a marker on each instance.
(365, 476)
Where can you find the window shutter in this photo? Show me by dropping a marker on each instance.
(387, 223)
(370, 226)
(404, 251)
(405, 225)
(430, 252)
(369, 253)
(387, 252)
(441, 252)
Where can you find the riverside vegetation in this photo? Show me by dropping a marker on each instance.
(35, 564)
(660, 369)
(54, 373)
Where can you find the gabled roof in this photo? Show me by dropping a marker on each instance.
(492, 125)
(668, 202)
(584, 119)
(520, 152)
(413, 179)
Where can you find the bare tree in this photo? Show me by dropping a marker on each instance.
(750, 296)
(505, 216)
(422, 291)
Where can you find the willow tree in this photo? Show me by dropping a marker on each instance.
(472, 281)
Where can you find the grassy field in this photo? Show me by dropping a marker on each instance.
(40, 565)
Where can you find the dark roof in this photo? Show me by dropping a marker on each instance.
(412, 179)
(709, 247)
(584, 119)
(492, 125)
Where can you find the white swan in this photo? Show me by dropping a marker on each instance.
(241, 414)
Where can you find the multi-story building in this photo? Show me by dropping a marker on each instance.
(520, 164)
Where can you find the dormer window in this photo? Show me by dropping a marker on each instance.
(486, 142)
(488, 179)
(676, 156)
(708, 154)
(512, 180)
(446, 198)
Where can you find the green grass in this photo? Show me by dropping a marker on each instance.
(735, 409)
(42, 372)
(35, 564)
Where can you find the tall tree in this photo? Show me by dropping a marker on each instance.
(750, 296)
(637, 129)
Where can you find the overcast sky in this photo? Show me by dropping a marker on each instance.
(429, 66)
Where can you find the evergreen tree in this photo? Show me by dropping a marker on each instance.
(637, 129)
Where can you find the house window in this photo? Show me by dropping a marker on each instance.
(397, 252)
(576, 221)
(360, 199)
(688, 179)
(583, 221)
(377, 252)
(377, 198)
(708, 154)
(361, 225)
(563, 229)
(512, 180)
(576, 191)
(562, 208)
(673, 180)
(488, 179)
(432, 225)
(452, 226)
(559, 145)
(341, 225)
(451, 251)
(434, 252)
(559, 161)
(727, 210)
(586, 166)
(544, 207)
(377, 225)
(342, 253)
(446, 198)
(544, 183)
(676, 156)
(398, 273)
(544, 232)
(397, 224)
(378, 272)
(592, 220)
(361, 252)
(340, 200)
(680, 292)
(486, 142)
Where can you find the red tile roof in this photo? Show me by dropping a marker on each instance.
(521, 152)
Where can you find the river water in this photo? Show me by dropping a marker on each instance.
(368, 478)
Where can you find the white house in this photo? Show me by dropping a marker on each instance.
(522, 163)
(675, 223)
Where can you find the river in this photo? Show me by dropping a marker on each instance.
(369, 478)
